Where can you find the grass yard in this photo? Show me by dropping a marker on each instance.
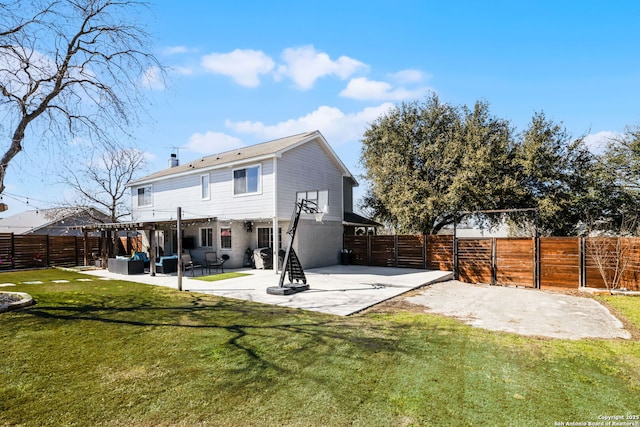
(220, 276)
(115, 353)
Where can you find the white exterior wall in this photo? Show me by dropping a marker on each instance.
(184, 191)
(318, 244)
(307, 168)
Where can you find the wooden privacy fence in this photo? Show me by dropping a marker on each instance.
(544, 262)
(33, 250)
(429, 252)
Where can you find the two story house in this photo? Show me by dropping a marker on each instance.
(236, 201)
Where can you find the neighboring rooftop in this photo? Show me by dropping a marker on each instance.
(57, 218)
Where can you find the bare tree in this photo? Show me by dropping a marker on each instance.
(101, 182)
(70, 69)
(613, 253)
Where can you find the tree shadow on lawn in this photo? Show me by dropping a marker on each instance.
(283, 324)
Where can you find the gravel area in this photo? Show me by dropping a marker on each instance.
(521, 311)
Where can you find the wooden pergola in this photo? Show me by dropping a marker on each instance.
(106, 229)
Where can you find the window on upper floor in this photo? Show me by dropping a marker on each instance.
(204, 187)
(246, 180)
(145, 196)
(319, 197)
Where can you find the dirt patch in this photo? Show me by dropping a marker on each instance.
(626, 323)
(522, 311)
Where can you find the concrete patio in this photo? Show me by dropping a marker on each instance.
(340, 290)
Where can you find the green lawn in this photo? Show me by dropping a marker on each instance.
(115, 353)
(221, 276)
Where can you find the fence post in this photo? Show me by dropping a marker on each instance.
(582, 260)
(456, 273)
(368, 249)
(13, 250)
(395, 250)
(85, 247)
(494, 262)
(534, 263)
(424, 251)
(538, 256)
(48, 250)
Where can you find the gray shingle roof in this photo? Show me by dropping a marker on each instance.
(30, 221)
(265, 149)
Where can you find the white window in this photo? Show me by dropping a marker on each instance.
(319, 197)
(206, 237)
(204, 187)
(145, 196)
(225, 238)
(247, 180)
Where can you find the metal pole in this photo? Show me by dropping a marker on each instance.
(179, 233)
(85, 247)
(536, 248)
(455, 251)
(292, 234)
(152, 251)
(494, 261)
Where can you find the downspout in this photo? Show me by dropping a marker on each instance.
(276, 237)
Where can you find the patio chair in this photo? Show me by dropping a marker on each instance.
(189, 264)
(211, 260)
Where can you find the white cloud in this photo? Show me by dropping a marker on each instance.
(335, 125)
(364, 89)
(152, 79)
(409, 76)
(244, 66)
(182, 71)
(212, 142)
(17, 79)
(597, 142)
(174, 50)
(304, 65)
(149, 157)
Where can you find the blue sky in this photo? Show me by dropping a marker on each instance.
(250, 71)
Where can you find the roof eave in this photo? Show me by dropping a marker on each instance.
(194, 171)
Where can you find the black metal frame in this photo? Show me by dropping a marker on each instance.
(291, 263)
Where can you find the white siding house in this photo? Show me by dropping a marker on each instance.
(243, 199)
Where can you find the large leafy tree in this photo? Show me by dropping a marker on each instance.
(556, 172)
(70, 69)
(428, 161)
(619, 165)
(622, 155)
(571, 187)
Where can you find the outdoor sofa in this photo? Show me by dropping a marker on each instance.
(167, 264)
(141, 256)
(125, 265)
